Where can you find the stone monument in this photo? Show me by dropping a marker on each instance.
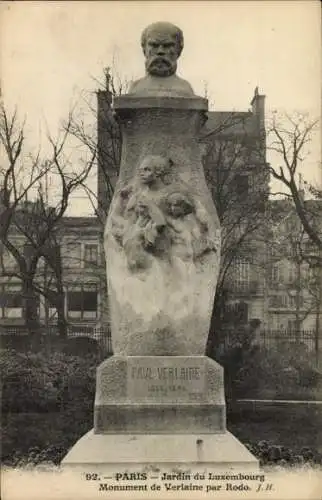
(159, 400)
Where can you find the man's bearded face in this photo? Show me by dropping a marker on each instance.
(161, 53)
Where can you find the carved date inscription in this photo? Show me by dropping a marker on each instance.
(166, 379)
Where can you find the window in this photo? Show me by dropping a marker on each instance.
(241, 274)
(11, 300)
(7, 260)
(276, 273)
(72, 254)
(51, 312)
(310, 248)
(236, 312)
(90, 254)
(285, 301)
(278, 301)
(292, 301)
(82, 301)
(291, 272)
(293, 324)
(296, 300)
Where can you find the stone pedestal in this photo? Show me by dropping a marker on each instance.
(111, 453)
(159, 394)
(165, 411)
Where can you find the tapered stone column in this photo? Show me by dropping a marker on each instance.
(161, 284)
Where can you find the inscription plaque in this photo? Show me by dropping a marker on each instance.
(159, 380)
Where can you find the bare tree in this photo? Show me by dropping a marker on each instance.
(29, 223)
(289, 137)
(288, 263)
(95, 125)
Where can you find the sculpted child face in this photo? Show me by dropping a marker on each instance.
(146, 173)
(151, 169)
(142, 209)
(179, 205)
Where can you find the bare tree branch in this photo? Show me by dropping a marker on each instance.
(290, 141)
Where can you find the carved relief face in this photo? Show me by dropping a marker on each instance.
(146, 173)
(151, 169)
(161, 54)
(142, 209)
(178, 205)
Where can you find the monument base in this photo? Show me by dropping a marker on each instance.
(159, 395)
(112, 452)
(159, 413)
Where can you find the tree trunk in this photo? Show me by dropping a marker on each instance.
(59, 304)
(318, 323)
(61, 320)
(215, 337)
(298, 303)
(31, 315)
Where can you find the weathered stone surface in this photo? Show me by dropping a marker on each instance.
(164, 87)
(127, 103)
(142, 394)
(159, 419)
(159, 379)
(162, 378)
(165, 126)
(162, 237)
(216, 452)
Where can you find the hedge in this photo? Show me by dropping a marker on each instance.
(258, 372)
(47, 401)
(37, 382)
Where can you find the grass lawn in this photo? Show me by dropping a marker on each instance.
(290, 425)
(38, 432)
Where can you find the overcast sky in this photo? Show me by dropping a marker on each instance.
(52, 50)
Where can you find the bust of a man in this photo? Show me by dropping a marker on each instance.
(162, 44)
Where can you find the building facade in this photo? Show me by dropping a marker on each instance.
(82, 273)
(293, 285)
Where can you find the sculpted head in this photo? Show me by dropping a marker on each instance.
(153, 168)
(162, 44)
(142, 208)
(179, 204)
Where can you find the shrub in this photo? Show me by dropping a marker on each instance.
(270, 454)
(81, 346)
(254, 371)
(47, 435)
(37, 382)
(47, 403)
